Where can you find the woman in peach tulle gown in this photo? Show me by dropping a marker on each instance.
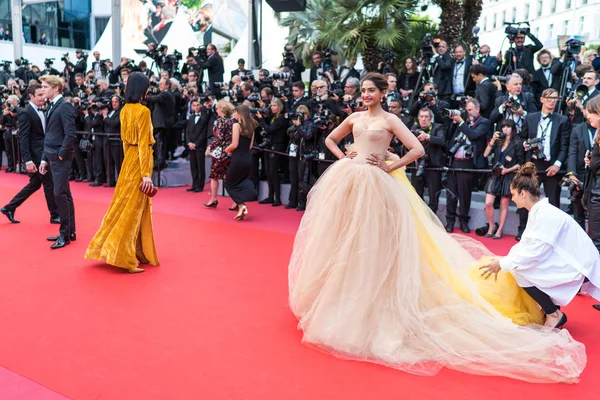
(374, 276)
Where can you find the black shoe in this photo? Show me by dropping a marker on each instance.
(198, 190)
(212, 204)
(464, 227)
(95, 184)
(55, 220)
(518, 237)
(290, 205)
(596, 306)
(72, 238)
(450, 228)
(192, 189)
(266, 201)
(10, 169)
(60, 243)
(276, 203)
(561, 322)
(10, 215)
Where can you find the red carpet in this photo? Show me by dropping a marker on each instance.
(211, 323)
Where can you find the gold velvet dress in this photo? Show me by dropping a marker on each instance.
(125, 236)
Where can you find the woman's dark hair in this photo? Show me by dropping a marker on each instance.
(404, 71)
(378, 80)
(247, 123)
(513, 128)
(526, 179)
(137, 86)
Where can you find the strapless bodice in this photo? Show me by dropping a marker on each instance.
(367, 141)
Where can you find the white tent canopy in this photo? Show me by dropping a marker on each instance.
(104, 46)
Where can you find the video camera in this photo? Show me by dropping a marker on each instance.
(574, 46)
(428, 44)
(199, 53)
(48, 62)
(513, 29)
(64, 57)
(6, 65)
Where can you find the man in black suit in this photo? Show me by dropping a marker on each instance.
(577, 104)
(163, 118)
(466, 148)
(522, 56)
(461, 79)
(58, 151)
(543, 78)
(298, 98)
(348, 71)
(196, 138)
(441, 70)
(488, 61)
(31, 130)
(524, 103)
(241, 70)
(215, 69)
(553, 130)
(485, 91)
(582, 141)
(433, 138)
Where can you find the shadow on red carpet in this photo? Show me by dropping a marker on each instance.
(211, 322)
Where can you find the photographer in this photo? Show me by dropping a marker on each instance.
(546, 136)
(587, 91)
(301, 134)
(80, 67)
(295, 65)
(489, 62)
(113, 146)
(95, 123)
(163, 118)
(428, 98)
(466, 152)
(461, 79)
(99, 66)
(580, 145)
(79, 88)
(395, 108)
(322, 69)
(214, 68)
(592, 187)
(8, 124)
(298, 98)
(543, 78)
(351, 96)
(241, 70)
(521, 56)
(347, 71)
(485, 91)
(275, 131)
(441, 69)
(433, 138)
(508, 158)
(513, 105)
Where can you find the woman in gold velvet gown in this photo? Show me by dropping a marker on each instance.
(375, 277)
(125, 237)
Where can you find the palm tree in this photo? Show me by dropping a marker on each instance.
(471, 12)
(451, 21)
(350, 27)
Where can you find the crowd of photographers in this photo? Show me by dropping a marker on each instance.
(474, 112)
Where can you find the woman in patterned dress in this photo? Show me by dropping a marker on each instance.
(216, 149)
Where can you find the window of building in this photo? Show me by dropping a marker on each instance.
(568, 4)
(495, 21)
(503, 17)
(526, 13)
(583, 2)
(537, 32)
(485, 23)
(100, 23)
(566, 27)
(540, 7)
(553, 8)
(514, 14)
(581, 24)
(550, 31)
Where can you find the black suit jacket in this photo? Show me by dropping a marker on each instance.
(442, 74)
(526, 59)
(436, 148)
(196, 132)
(60, 131)
(477, 135)
(485, 93)
(163, 113)
(207, 122)
(525, 98)
(578, 117)
(490, 63)
(559, 136)
(467, 81)
(31, 132)
(579, 144)
(214, 68)
(112, 124)
(539, 83)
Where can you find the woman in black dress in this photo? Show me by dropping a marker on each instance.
(508, 158)
(592, 181)
(237, 183)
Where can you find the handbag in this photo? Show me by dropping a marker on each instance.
(216, 152)
(150, 193)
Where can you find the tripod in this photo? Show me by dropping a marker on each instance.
(510, 66)
(565, 80)
(421, 81)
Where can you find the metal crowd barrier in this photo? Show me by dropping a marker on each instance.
(114, 137)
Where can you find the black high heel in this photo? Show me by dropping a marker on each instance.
(212, 204)
(561, 322)
(234, 207)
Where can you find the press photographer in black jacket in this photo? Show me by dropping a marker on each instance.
(522, 56)
(113, 146)
(302, 144)
(581, 142)
(214, 68)
(433, 138)
(163, 118)
(275, 129)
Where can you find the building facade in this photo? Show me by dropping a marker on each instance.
(548, 19)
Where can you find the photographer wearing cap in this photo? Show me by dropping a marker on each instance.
(433, 138)
(546, 136)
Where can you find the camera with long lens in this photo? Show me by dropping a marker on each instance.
(267, 81)
(512, 104)
(421, 165)
(246, 77)
(283, 92)
(575, 188)
(536, 146)
(284, 76)
(501, 79)
(254, 97)
(288, 57)
(254, 110)
(336, 92)
(322, 118)
(459, 141)
(449, 113)
(327, 63)
(153, 89)
(513, 30)
(265, 140)
(102, 102)
(574, 46)
(232, 93)
(298, 116)
(84, 55)
(578, 92)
